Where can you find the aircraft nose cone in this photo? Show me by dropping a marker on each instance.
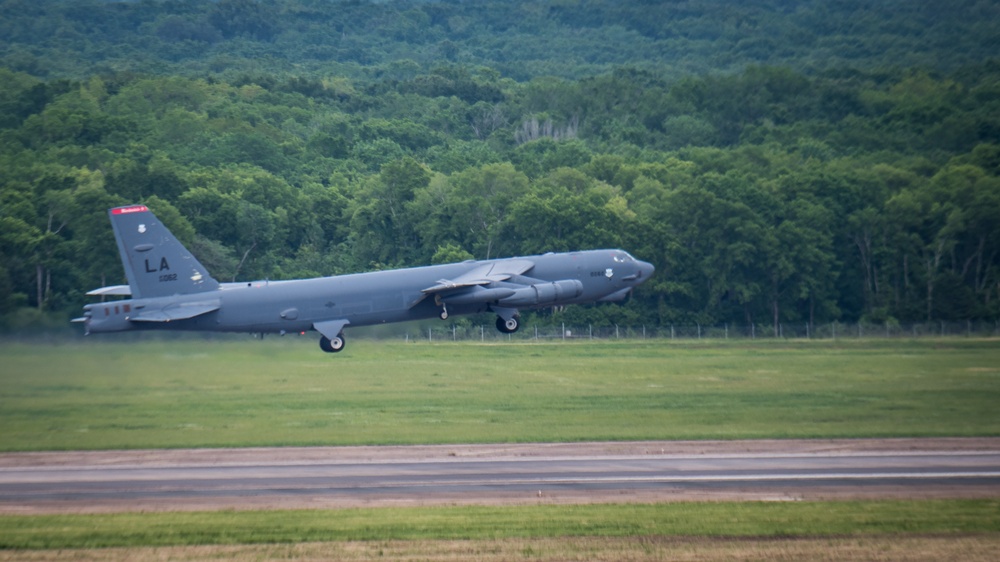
(646, 270)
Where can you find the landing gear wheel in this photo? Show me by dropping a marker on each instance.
(332, 345)
(508, 326)
(444, 313)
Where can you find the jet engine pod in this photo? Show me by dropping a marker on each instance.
(544, 293)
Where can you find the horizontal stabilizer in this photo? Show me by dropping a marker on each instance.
(180, 311)
(114, 290)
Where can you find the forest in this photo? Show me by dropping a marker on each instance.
(778, 161)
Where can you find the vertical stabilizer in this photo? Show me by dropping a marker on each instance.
(156, 264)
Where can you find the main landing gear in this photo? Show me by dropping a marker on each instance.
(332, 345)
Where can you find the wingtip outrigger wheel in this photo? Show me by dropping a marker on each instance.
(508, 326)
(507, 319)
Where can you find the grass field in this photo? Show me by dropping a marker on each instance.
(161, 393)
(716, 519)
(101, 394)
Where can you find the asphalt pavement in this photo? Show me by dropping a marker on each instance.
(329, 477)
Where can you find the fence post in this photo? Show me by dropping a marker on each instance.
(753, 331)
(564, 331)
(699, 330)
(727, 330)
(671, 331)
(833, 329)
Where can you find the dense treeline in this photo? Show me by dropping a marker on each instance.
(770, 194)
(521, 39)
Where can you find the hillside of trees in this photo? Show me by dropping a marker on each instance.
(520, 39)
(777, 161)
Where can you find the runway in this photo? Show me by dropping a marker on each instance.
(372, 476)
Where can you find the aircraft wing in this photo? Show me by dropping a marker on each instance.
(484, 274)
(179, 311)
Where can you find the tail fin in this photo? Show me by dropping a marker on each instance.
(156, 264)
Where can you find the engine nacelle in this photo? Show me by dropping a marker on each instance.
(544, 293)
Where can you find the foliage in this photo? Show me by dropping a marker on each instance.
(775, 164)
(409, 42)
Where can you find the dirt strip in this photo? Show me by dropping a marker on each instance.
(592, 549)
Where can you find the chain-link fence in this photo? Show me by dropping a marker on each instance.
(826, 331)
(438, 331)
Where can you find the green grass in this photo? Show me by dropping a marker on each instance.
(163, 393)
(99, 394)
(723, 519)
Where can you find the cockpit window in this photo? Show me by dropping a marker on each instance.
(623, 257)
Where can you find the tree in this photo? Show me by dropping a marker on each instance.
(384, 227)
(567, 211)
(234, 18)
(931, 223)
(256, 227)
(479, 205)
(93, 242)
(18, 240)
(450, 253)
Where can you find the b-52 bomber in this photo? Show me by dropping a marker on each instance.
(170, 289)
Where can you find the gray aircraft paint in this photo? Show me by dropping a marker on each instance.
(171, 289)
